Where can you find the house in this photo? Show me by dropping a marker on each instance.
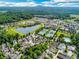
(62, 47)
(71, 48)
(69, 53)
(68, 40)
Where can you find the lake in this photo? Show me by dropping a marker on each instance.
(27, 30)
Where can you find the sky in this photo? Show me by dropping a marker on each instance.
(34, 3)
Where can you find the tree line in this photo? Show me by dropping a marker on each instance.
(10, 16)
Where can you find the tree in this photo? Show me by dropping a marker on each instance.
(76, 43)
(22, 56)
(61, 36)
(2, 56)
(17, 46)
(77, 36)
(28, 57)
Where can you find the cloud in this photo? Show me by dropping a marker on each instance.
(61, 3)
(32, 3)
(66, 0)
(69, 4)
(60, 0)
(18, 4)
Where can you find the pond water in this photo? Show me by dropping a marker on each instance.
(27, 30)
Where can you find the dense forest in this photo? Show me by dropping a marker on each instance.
(8, 17)
(11, 16)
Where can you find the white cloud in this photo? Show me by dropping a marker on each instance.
(60, 0)
(17, 4)
(56, 3)
(66, 0)
(31, 4)
(73, 0)
(61, 3)
(69, 5)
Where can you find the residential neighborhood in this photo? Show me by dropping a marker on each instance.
(58, 34)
